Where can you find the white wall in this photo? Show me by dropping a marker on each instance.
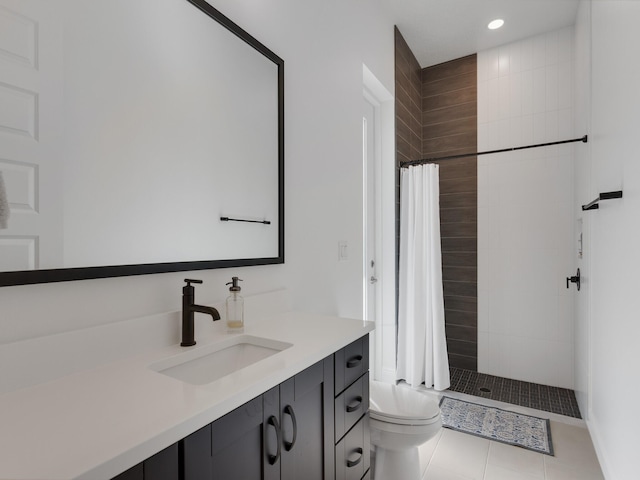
(613, 235)
(324, 45)
(525, 223)
(582, 193)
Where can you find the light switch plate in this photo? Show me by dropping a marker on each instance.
(343, 251)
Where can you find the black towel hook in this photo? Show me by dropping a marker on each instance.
(575, 279)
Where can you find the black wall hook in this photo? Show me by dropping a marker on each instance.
(575, 279)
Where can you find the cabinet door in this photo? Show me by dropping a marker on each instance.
(237, 443)
(161, 466)
(306, 410)
(228, 449)
(134, 473)
(196, 454)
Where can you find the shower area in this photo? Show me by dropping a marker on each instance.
(506, 219)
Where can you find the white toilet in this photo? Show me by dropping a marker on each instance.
(401, 420)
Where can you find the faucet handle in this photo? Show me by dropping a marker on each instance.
(190, 281)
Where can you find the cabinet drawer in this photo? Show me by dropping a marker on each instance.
(352, 452)
(351, 362)
(351, 405)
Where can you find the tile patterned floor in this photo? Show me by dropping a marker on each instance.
(541, 397)
(454, 455)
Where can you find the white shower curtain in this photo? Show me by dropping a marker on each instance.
(422, 347)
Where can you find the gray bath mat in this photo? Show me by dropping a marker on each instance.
(517, 429)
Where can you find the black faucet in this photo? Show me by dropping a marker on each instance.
(188, 309)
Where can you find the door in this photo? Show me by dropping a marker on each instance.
(369, 201)
(372, 231)
(31, 94)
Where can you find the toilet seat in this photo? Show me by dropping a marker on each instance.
(402, 421)
(401, 406)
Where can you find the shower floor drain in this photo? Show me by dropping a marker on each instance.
(485, 389)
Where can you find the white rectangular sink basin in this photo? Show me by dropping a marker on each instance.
(204, 365)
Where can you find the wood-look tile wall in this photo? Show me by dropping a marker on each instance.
(436, 115)
(449, 126)
(408, 102)
(408, 107)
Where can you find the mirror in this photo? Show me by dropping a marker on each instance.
(133, 129)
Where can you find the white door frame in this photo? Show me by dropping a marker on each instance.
(383, 340)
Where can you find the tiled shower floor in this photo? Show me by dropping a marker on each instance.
(541, 397)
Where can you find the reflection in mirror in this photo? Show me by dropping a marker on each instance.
(132, 128)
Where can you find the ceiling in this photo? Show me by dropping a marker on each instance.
(441, 30)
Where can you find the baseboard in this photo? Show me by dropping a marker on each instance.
(598, 445)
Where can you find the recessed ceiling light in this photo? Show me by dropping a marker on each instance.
(497, 23)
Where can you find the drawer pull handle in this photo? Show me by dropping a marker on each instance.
(288, 410)
(354, 405)
(354, 361)
(274, 422)
(353, 463)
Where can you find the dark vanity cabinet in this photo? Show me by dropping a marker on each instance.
(286, 433)
(313, 426)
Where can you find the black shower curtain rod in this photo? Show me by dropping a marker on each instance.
(409, 163)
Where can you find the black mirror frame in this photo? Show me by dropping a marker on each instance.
(28, 277)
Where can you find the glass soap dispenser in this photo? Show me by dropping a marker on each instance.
(235, 307)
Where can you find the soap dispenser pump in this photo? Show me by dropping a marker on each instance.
(235, 307)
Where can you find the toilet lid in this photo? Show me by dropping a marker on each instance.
(392, 404)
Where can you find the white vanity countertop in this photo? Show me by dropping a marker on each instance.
(98, 423)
